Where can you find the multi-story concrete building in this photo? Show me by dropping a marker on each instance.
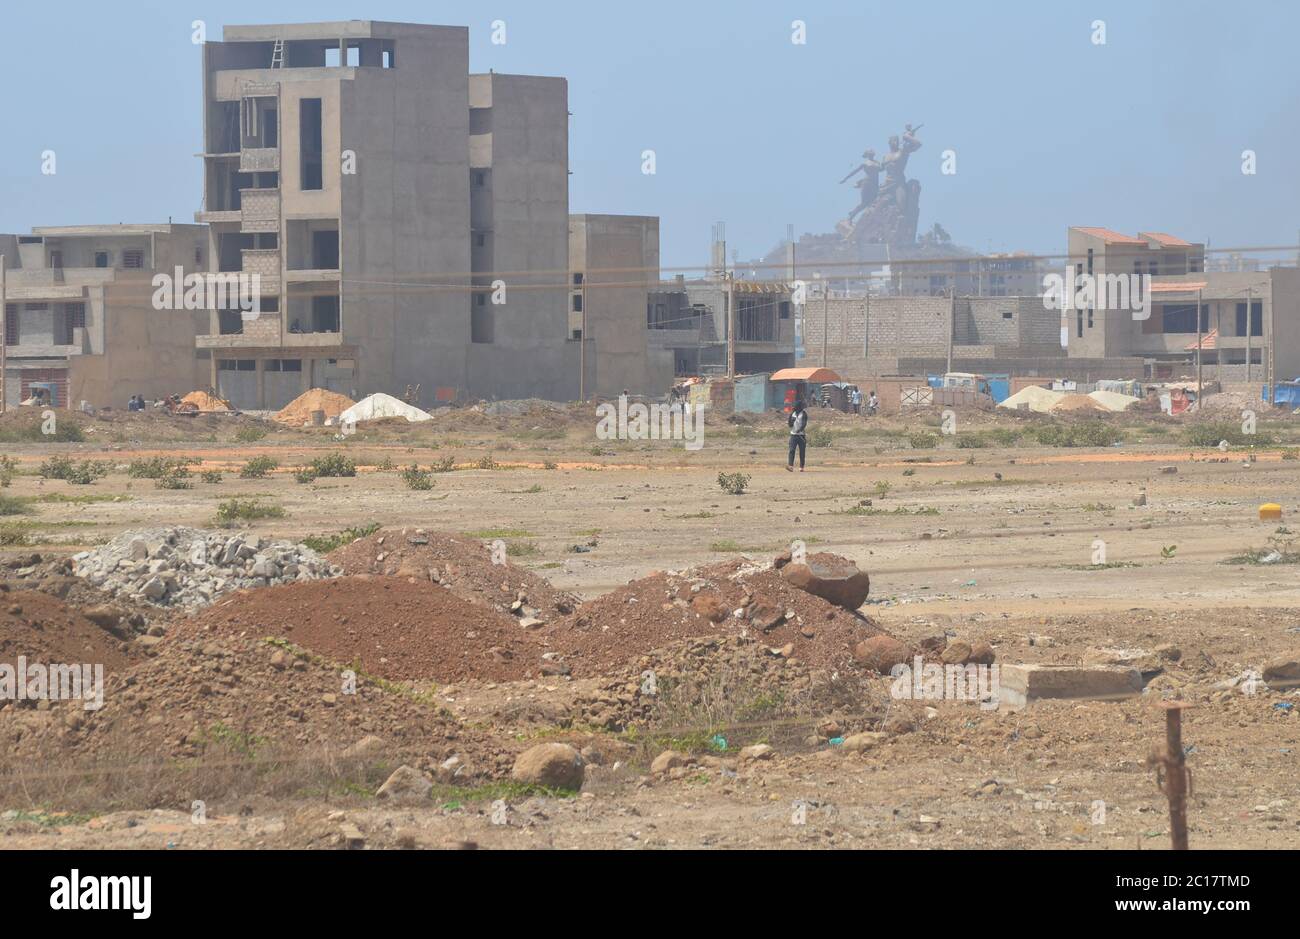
(614, 267)
(80, 316)
(408, 220)
(690, 319)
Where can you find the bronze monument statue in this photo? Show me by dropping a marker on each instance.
(889, 211)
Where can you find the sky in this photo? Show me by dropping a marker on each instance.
(1049, 128)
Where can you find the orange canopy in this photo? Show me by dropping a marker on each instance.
(816, 375)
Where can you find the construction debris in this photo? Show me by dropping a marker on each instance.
(191, 567)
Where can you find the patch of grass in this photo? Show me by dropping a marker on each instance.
(521, 549)
(8, 469)
(324, 544)
(304, 475)
(1108, 566)
(210, 476)
(1098, 507)
(65, 431)
(490, 534)
(14, 505)
(697, 515)
(923, 441)
(868, 511)
(820, 437)
(728, 546)
(246, 510)
(1211, 433)
(250, 434)
(86, 499)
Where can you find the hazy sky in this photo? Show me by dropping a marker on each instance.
(1050, 130)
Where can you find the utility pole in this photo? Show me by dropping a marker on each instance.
(1269, 374)
(4, 340)
(826, 316)
(1200, 402)
(731, 323)
(582, 343)
(1249, 321)
(952, 320)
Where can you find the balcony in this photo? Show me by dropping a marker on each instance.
(266, 263)
(261, 210)
(260, 160)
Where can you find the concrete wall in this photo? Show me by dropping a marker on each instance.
(618, 256)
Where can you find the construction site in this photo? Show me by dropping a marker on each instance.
(393, 502)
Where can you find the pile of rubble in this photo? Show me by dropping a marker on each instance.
(191, 567)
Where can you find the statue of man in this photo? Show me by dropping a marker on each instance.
(868, 185)
(895, 162)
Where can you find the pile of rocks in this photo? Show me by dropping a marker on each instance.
(191, 567)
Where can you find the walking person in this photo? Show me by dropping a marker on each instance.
(798, 435)
(855, 398)
(873, 404)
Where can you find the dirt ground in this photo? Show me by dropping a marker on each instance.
(1145, 552)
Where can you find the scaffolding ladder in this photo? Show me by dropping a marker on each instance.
(277, 54)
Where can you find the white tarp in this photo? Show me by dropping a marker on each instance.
(379, 406)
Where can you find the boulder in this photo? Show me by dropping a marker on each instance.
(553, 765)
(669, 759)
(830, 577)
(1283, 673)
(405, 785)
(881, 653)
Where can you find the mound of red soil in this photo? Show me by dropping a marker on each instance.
(462, 565)
(240, 697)
(43, 629)
(662, 609)
(393, 627)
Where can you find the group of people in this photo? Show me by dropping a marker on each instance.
(855, 399)
(136, 403)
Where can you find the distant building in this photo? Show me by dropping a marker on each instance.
(690, 320)
(409, 220)
(80, 317)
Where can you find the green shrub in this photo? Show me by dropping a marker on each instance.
(923, 441)
(258, 467)
(246, 510)
(210, 476)
(444, 464)
(416, 478)
(250, 434)
(334, 465)
(305, 474)
(1085, 434)
(324, 544)
(733, 483)
(11, 505)
(7, 470)
(79, 474)
(1210, 434)
(157, 467)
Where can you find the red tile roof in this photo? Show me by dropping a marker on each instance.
(1168, 241)
(1111, 237)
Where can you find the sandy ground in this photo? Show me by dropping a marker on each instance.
(992, 543)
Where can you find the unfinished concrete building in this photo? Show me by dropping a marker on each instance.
(80, 317)
(614, 267)
(409, 221)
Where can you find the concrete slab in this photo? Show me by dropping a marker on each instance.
(1020, 684)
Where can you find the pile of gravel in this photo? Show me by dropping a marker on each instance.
(191, 567)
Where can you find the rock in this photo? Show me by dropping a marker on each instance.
(759, 751)
(367, 746)
(406, 785)
(865, 741)
(899, 723)
(981, 653)
(669, 759)
(1283, 673)
(1020, 684)
(710, 606)
(766, 617)
(957, 653)
(103, 616)
(830, 577)
(881, 653)
(1168, 652)
(553, 765)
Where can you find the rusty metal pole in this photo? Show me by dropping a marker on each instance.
(1175, 764)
